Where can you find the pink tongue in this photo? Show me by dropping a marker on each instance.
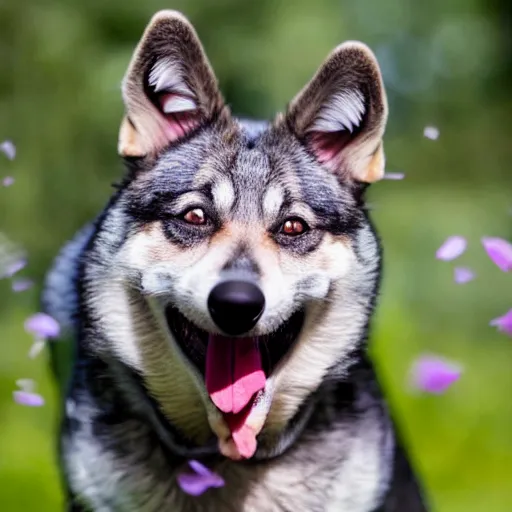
(233, 372)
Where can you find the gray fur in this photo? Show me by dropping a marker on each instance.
(137, 406)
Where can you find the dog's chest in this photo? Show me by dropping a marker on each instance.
(346, 468)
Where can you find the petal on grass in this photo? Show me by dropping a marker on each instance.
(36, 348)
(452, 248)
(27, 398)
(21, 285)
(42, 325)
(500, 252)
(27, 385)
(503, 323)
(393, 176)
(431, 132)
(433, 374)
(8, 181)
(12, 257)
(8, 149)
(14, 267)
(463, 275)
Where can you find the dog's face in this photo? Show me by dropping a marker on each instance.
(246, 269)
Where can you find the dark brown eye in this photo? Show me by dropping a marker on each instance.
(195, 216)
(294, 227)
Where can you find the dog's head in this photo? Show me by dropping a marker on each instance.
(236, 267)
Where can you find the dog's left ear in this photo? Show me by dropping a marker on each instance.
(169, 89)
(341, 114)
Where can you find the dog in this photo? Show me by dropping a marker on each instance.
(219, 306)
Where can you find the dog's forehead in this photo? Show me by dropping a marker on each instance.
(254, 173)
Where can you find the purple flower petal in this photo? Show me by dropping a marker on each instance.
(433, 374)
(431, 132)
(42, 326)
(29, 399)
(7, 181)
(21, 285)
(462, 275)
(394, 176)
(8, 149)
(193, 484)
(452, 248)
(503, 323)
(201, 481)
(500, 252)
(199, 468)
(14, 267)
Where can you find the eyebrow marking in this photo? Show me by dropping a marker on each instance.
(272, 202)
(223, 195)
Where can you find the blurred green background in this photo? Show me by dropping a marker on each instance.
(446, 64)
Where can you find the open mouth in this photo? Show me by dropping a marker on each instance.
(193, 341)
(235, 369)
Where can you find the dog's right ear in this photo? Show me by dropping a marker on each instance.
(169, 89)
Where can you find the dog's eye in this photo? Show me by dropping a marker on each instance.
(195, 216)
(294, 227)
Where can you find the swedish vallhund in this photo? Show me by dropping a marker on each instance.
(220, 304)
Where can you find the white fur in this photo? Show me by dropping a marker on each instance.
(223, 196)
(272, 201)
(166, 75)
(343, 111)
(178, 104)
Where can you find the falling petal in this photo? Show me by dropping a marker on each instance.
(7, 181)
(500, 252)
(199, 468)
(27, 385)
(26, 398)
(433, 374)
(503, 323)
(14, 267)
(36, 348)
(21, 285)
(462, 275)
(193, 484)
(8, 149)
(452, 248)
(201, 481)
(394, 176)
(42, 326)
(431, 132)
(12, 257)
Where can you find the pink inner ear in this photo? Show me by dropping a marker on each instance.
(180, 113)
(327, 146)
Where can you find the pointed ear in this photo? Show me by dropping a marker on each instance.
(169, 89)
(341, 114)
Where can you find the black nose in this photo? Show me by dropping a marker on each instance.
(236, 306)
